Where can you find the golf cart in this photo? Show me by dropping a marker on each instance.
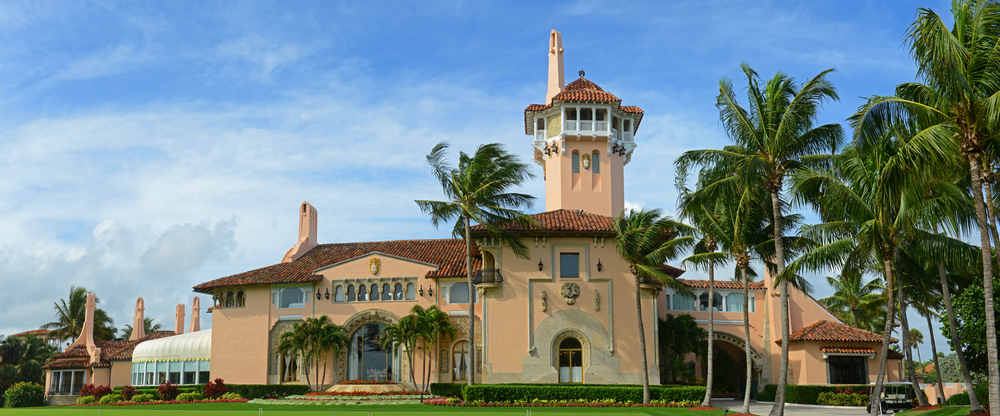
(895, 396)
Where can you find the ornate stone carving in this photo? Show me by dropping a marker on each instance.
(545, 304)
(597, 300)
(444, 361)
(570, 291)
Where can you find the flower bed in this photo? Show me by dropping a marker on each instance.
(366, 382)
(367, 393)
(168, 402)
(345, 399)
(441, 401)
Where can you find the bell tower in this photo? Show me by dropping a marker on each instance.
(583, 138)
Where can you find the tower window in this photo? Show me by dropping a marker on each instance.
(569, 265)
(586, 114)
(628, 125)
(540, 125)
(570, 113)
(576, 162)
(601, 114)
(595, 162)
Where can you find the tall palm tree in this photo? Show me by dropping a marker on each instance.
(329, 338)
(771, 139)
(645, 240)
(917, 338)
(432, 322)
(295, 343)
(476, 190)
(855, 300)
(148, 328)
(958, 97)
(71, 313)
(403, 336)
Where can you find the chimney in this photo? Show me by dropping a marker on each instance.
(87, 334)
(179, 319)
(557, 77)
(139, 322)
(308, 219)
(195, 319)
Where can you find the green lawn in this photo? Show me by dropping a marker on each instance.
(947, 411)
(245, 409)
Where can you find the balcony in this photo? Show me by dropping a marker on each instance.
(487, 277)
(650, 283)
(586, 126)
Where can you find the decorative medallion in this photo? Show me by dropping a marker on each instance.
(374, 265)
(570, 291)
(585, 161)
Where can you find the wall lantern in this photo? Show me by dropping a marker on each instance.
(328, 293)
(319, 295)
(421, 290)
(599, 265)
(540, 265)
(430, 291)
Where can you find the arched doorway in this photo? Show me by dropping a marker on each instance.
(731, 363)
(570, 361)
(460, 356)
(367, 360)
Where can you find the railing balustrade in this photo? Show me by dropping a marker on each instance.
(488, 276)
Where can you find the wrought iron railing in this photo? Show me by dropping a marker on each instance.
(648, 281)
(488, 276)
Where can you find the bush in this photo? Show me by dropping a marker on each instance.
(143, 398)
(267, 391)
(213, 390)
(447, 389)
(189, 397)
(842, 399)
(767, 395)
(506, 393)
(959, 399)
(111, 398)
(156, 391)
(86, 400)
(231, 396)
(24, 394)
(127, 392)
(167, 392)
(809, 393)
(97, 391)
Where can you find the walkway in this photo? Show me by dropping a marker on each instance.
(790, 409)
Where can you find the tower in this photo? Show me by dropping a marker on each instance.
(584, 138)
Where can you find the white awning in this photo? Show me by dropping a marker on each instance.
(186, 347)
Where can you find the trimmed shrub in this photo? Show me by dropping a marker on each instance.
(111, 398)
(24, 394)
(767, 395)
(127, 392)
(231, 396)
(213, 390)
(156, 391)
(167, 391)
(507, 393)
(809, 393)
(85, 400)
(447, 389)
(267, 391)
(97, 391)
(959, 399)
(842, 399)
(189, 397)
(143, 398)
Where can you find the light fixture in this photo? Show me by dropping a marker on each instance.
(319, 295)
(430, 291)
(540, 264)
(328, 293)
(599, 265)
(421, 290)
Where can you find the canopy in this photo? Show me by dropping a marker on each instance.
(186, 347)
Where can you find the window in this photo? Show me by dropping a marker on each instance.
(374, 294)
(190, 372)
(847, 369)
(628, 125)
(289, 368)
(540, 125)
(753, 305)
(204, 371)
(175, 372)
(398, 292)
(460, 293)
(66, 382)
(569, 265)
(595, 162)
(411, 292)
(716, 302)
(240, 299)
(229, 299)
(586, 114)
(683, 302)
(576, 162)
(570, 361)
(570, 113)
(460, 360)
(351, 296)
(362, 293)
(291, 297)
(338, 294)
(386, 292)
(602, 114)
(734, 302)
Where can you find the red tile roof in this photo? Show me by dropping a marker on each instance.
(585, 90)
(39, 332)
(847, 350)
(68, 364)
(565, 220)
(117, 350)
(447, 254)
(834, 331)
(721, 284)
(125, 352)
(894, 355)
(631, 109)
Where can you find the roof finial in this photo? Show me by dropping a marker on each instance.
(581, 73)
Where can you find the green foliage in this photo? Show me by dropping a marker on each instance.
(167, 391)
(71, 314)
(230, 396)
(959, 399)
(267, 391)
(111, 398)
(807, 393)
(841, 399)
(970, 317)
(189, 397)
(767, 395)
(86, 400)
(447, 389)
(21, 359)
(24, 394)
(148, 328)
(155, 391)
(508, 393)
(678, 336)
(127, 392)
(143, 398)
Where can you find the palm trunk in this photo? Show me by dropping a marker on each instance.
(907, 347)
(991, 330)
(707, 402)
(937, 368)
(779, 259)
(991, 213)
(471, 368)
(890, 316)
(642, 344)
(746, 338)
(424, 379)
(975, 407)
(413, 372)
(305, 366)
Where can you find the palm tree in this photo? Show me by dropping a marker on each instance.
(148, 328)
(72, 313)
(678, 336)
(477, 191)
(856, 301)
(403, 335)
(25, 355)
(329, 337)
(295, 343)
(770, 140)
(958, 99)
(917, 338)
(432, 322)
(645, 240)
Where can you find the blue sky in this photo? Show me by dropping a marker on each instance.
(146, 147)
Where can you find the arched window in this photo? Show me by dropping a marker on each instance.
(540, 125)
(240, 299)
(716, 304)
(460, 360)
(289, 368)
(362, 293)
(229, 299)
(386, 292)
(576, 162)
(350, 293)
(411, 293)
(570, 361)
(595, 162)
(338, 294)
(398, 292)
(374, 295)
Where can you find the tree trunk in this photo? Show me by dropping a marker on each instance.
(707, 401)
(746, 338)
(779, 259)
(907, 347)
(642, 344)
(305, 366)
(426, 368)
(975, 407)
(991, 212)
(937, 368)
(984, 237)
(890, 304)
(471, 368)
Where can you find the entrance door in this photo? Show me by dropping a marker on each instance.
(367, 359)
(570, 361)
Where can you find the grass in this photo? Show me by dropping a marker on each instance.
(244, 409)
(946, 411)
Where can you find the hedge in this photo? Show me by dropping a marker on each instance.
(805, 393)
(24, 394)
(267, 391)
(982, 393)
(500, 393)
(447, 389)
(842, 399)
(200, 389)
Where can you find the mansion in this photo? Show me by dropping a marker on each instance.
(566, 314)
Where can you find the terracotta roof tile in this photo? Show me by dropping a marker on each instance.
(894, 355)
(68, 364)
(631, 109)
(847, 350)
(585, 90)
(124, 353)
(447, 254)
(834, 331)
(721, 284)
(565, 220)
(117, 350)
(39, 332)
